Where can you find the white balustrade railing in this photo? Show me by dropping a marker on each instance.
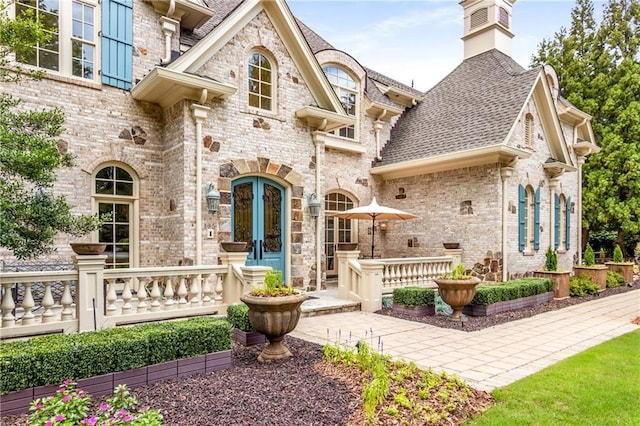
(94, 298)
(417, 271)
(355, 278)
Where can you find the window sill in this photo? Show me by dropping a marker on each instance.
(263, 113)
(561, 251)
(528, 253)
(344, 144)
(76, 81)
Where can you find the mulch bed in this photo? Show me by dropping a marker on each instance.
(470, 323)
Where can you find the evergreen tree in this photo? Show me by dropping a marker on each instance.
(599, 71)
(30, 214)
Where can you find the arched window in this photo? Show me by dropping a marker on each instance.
(336, 230)
(260, 82)
(503, 17)
(115, 192)
(528, 218)
(347, 90)
(528, 130)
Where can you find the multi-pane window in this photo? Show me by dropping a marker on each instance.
(114, 190)
(72, 32)
(337, 230)
(347, 91)
(563, 223)
(529, 217)
(260, 82)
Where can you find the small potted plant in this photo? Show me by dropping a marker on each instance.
(274, 310)
(560, 278)
(620, 266)
(596, 273)
(457, 289)
(243, 332)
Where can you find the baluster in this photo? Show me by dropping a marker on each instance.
(219, 289)
(47, 303)
(404, 275)
(66, 301)
(8, 305)
(421, 280)
(126, 296)
(155, 296)
(169, 303)
(385, 276)
(182, 293)
(194, 291)
(392, 275)
(142, 295)
(27, 305)
(112, 298)
(207, 290)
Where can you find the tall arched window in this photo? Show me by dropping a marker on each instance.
(115, 192)
(528, 218)
(260, 82)
(563, 223)
(347, 90)
(336, 230)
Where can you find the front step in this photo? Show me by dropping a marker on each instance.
(326, 310)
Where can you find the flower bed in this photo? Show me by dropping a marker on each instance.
(512, 295)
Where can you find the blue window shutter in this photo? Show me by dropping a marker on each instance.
(556, 222)
(568, 224)
(521, 218)
(536, 220)
(117, 43)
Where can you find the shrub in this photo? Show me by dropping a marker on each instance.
(581, 286)
(551, 263)
(617, 255)
(197, 336)
(161, 342)
(15, 366)
(238, 317)
(53, 359)
(589, 256)
(487, 294)
(414, 296)
(614, 279)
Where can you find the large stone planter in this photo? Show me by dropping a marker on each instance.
(625, 269)
(560, 282)
(274, 317)
(457, 293)
(596, 273)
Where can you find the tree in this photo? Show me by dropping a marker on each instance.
(599, 71)
(31, 215)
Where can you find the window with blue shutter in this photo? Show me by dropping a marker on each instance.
(117, 43)
(536, 221)
(522, 214)
(568, 222)
(556, 221)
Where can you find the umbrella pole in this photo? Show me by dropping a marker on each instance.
(373, 235)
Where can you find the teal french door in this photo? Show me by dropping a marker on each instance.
(258, 219)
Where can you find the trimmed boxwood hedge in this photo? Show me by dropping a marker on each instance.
(511, 290)
(414, 296)
(51, 359)
(238, 317)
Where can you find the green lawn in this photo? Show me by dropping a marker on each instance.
(600, 386)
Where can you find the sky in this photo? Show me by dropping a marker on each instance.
(419, 40)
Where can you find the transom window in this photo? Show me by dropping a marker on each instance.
(72, 28)
(260, 82)
(347, 91)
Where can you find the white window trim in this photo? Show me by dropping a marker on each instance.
(358, 92)
(529, 219)
(274, 84)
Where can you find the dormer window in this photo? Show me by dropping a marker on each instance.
(260, 82)
(479, 17)
(503, 17)
(347, 90)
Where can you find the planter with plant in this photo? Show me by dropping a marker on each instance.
(596, 273)
(414, 301)
(560, 278)
(243, 332)
(457, 289)
(620, 266)
(274, 310)
(491, 299)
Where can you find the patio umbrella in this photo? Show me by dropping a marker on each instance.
(374, 211)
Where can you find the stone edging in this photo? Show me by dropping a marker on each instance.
(507, 305)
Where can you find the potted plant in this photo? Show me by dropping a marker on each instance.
(620, 266)
(560, 278)
(457, 289)
(596, 273)
(243, 332)
(274, 310)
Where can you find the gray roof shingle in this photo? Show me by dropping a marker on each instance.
(474, 106)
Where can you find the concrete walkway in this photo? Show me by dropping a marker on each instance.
(489, 358)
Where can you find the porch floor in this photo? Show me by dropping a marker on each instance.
(327, 302)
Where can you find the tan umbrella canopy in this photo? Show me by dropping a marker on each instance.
(374, 211)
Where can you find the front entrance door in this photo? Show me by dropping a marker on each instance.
(258, 219)
(336, 230)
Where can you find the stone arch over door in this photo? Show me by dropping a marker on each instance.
(292, 182)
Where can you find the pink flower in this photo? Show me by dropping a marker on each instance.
(62, 390)
(122, 412)
(67, 382)
(66, 398)
(59, 417)
(48, 423)
(38, 406)
(90, 420)
(127, 418)
(104, 407)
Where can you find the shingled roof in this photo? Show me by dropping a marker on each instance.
(474, 106)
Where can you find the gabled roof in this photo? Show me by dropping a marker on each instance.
(473, 107)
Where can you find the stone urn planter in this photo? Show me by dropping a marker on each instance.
(457, 293)
(274, 316)
(86, 249)
(233, 246)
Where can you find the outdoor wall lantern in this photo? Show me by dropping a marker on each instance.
(213, 199)
(383, 228)
(314, 205)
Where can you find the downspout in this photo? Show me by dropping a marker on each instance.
(377, 126)
(505, 173)
(199, 114)
(581, 159)
(318, 140)
(169, 28)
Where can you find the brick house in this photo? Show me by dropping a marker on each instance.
(170, 101)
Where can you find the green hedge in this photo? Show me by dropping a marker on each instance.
(414, 296)
(238, 317)
(510, 290)
(51, 359)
